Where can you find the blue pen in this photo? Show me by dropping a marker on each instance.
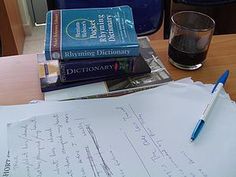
(214, 94)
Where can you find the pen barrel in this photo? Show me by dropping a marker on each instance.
(211, 103)
(214, 94)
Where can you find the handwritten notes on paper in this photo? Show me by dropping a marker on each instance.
(116, 137)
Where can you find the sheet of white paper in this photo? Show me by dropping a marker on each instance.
(142, 134)
(21, 112)
(17, 113)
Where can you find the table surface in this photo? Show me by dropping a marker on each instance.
(19, 81)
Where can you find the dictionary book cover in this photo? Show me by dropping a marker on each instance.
(50, 79)
(90, 33)
(78, 70)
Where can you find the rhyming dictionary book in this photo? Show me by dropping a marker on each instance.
(90, 33)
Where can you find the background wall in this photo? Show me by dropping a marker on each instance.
(37, 10)
(25, 16)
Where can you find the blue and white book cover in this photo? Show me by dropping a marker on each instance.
(90, 33)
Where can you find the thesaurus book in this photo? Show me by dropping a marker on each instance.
(90, 33)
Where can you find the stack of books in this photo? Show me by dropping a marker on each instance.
(55, 90)
(96, 48)
(93, 44)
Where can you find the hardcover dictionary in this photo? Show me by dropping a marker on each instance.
(76, 70)
(90, 33)
(51, 80)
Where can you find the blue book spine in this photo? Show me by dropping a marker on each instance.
(90, 33)
(79, 70)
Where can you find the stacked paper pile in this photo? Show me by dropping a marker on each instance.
(141, 134)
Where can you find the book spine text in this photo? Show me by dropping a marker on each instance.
(84, 70)
(99, 53)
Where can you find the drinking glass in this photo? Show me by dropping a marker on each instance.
(190, 37)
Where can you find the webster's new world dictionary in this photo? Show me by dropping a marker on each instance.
(90, 33)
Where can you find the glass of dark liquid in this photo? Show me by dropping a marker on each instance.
(190, 37)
